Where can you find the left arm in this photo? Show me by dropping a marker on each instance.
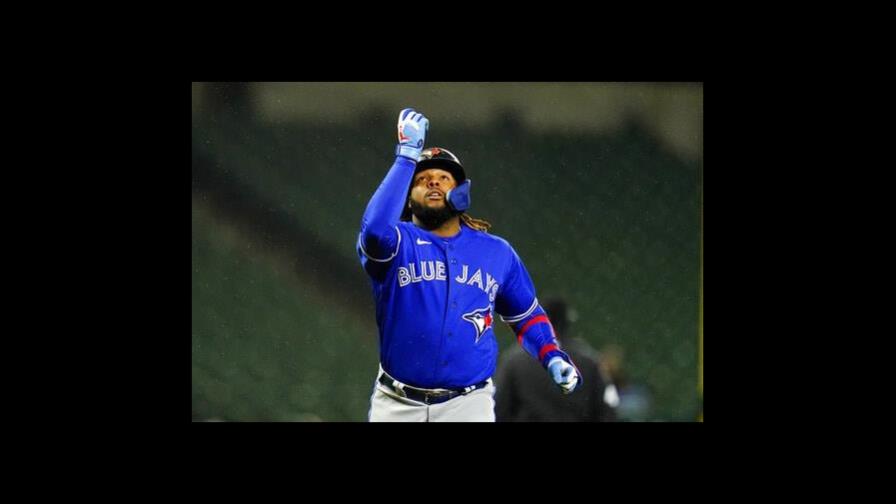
(531, 325)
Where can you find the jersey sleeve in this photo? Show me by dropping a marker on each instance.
(377, 268)
(519, 308)
(380, 238)
(516, 296)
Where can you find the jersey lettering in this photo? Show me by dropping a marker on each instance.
(435, 270)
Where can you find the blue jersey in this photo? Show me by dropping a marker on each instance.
(437, 298)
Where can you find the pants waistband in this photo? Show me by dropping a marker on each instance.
(426, 396)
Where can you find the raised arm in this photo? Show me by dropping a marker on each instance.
(379, 236)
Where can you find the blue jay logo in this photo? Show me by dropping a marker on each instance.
(481, 320)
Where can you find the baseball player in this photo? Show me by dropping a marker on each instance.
(439, 279)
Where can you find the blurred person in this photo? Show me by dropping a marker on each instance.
(438, 279)
(634, 398)
(524, 394)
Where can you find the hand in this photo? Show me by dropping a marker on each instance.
(412, 127)
(564, 374)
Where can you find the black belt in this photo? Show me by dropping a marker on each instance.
(426, 396)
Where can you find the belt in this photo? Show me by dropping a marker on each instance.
(426, 396)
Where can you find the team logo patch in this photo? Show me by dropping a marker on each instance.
(481, 320)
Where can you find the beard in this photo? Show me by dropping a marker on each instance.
(432, 218)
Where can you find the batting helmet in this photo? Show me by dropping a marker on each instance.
(437, 157)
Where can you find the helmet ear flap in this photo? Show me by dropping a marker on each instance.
(459, 196)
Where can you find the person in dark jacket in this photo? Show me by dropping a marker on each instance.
(526, 394)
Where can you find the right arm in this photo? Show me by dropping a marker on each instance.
(379, 236)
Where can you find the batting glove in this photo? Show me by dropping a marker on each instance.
(412, 127)
(564, 374)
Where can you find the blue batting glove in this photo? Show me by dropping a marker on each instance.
(412, 127)
(564, 374)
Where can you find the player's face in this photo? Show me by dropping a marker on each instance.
(430, 187)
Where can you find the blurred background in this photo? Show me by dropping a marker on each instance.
(598, 186)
